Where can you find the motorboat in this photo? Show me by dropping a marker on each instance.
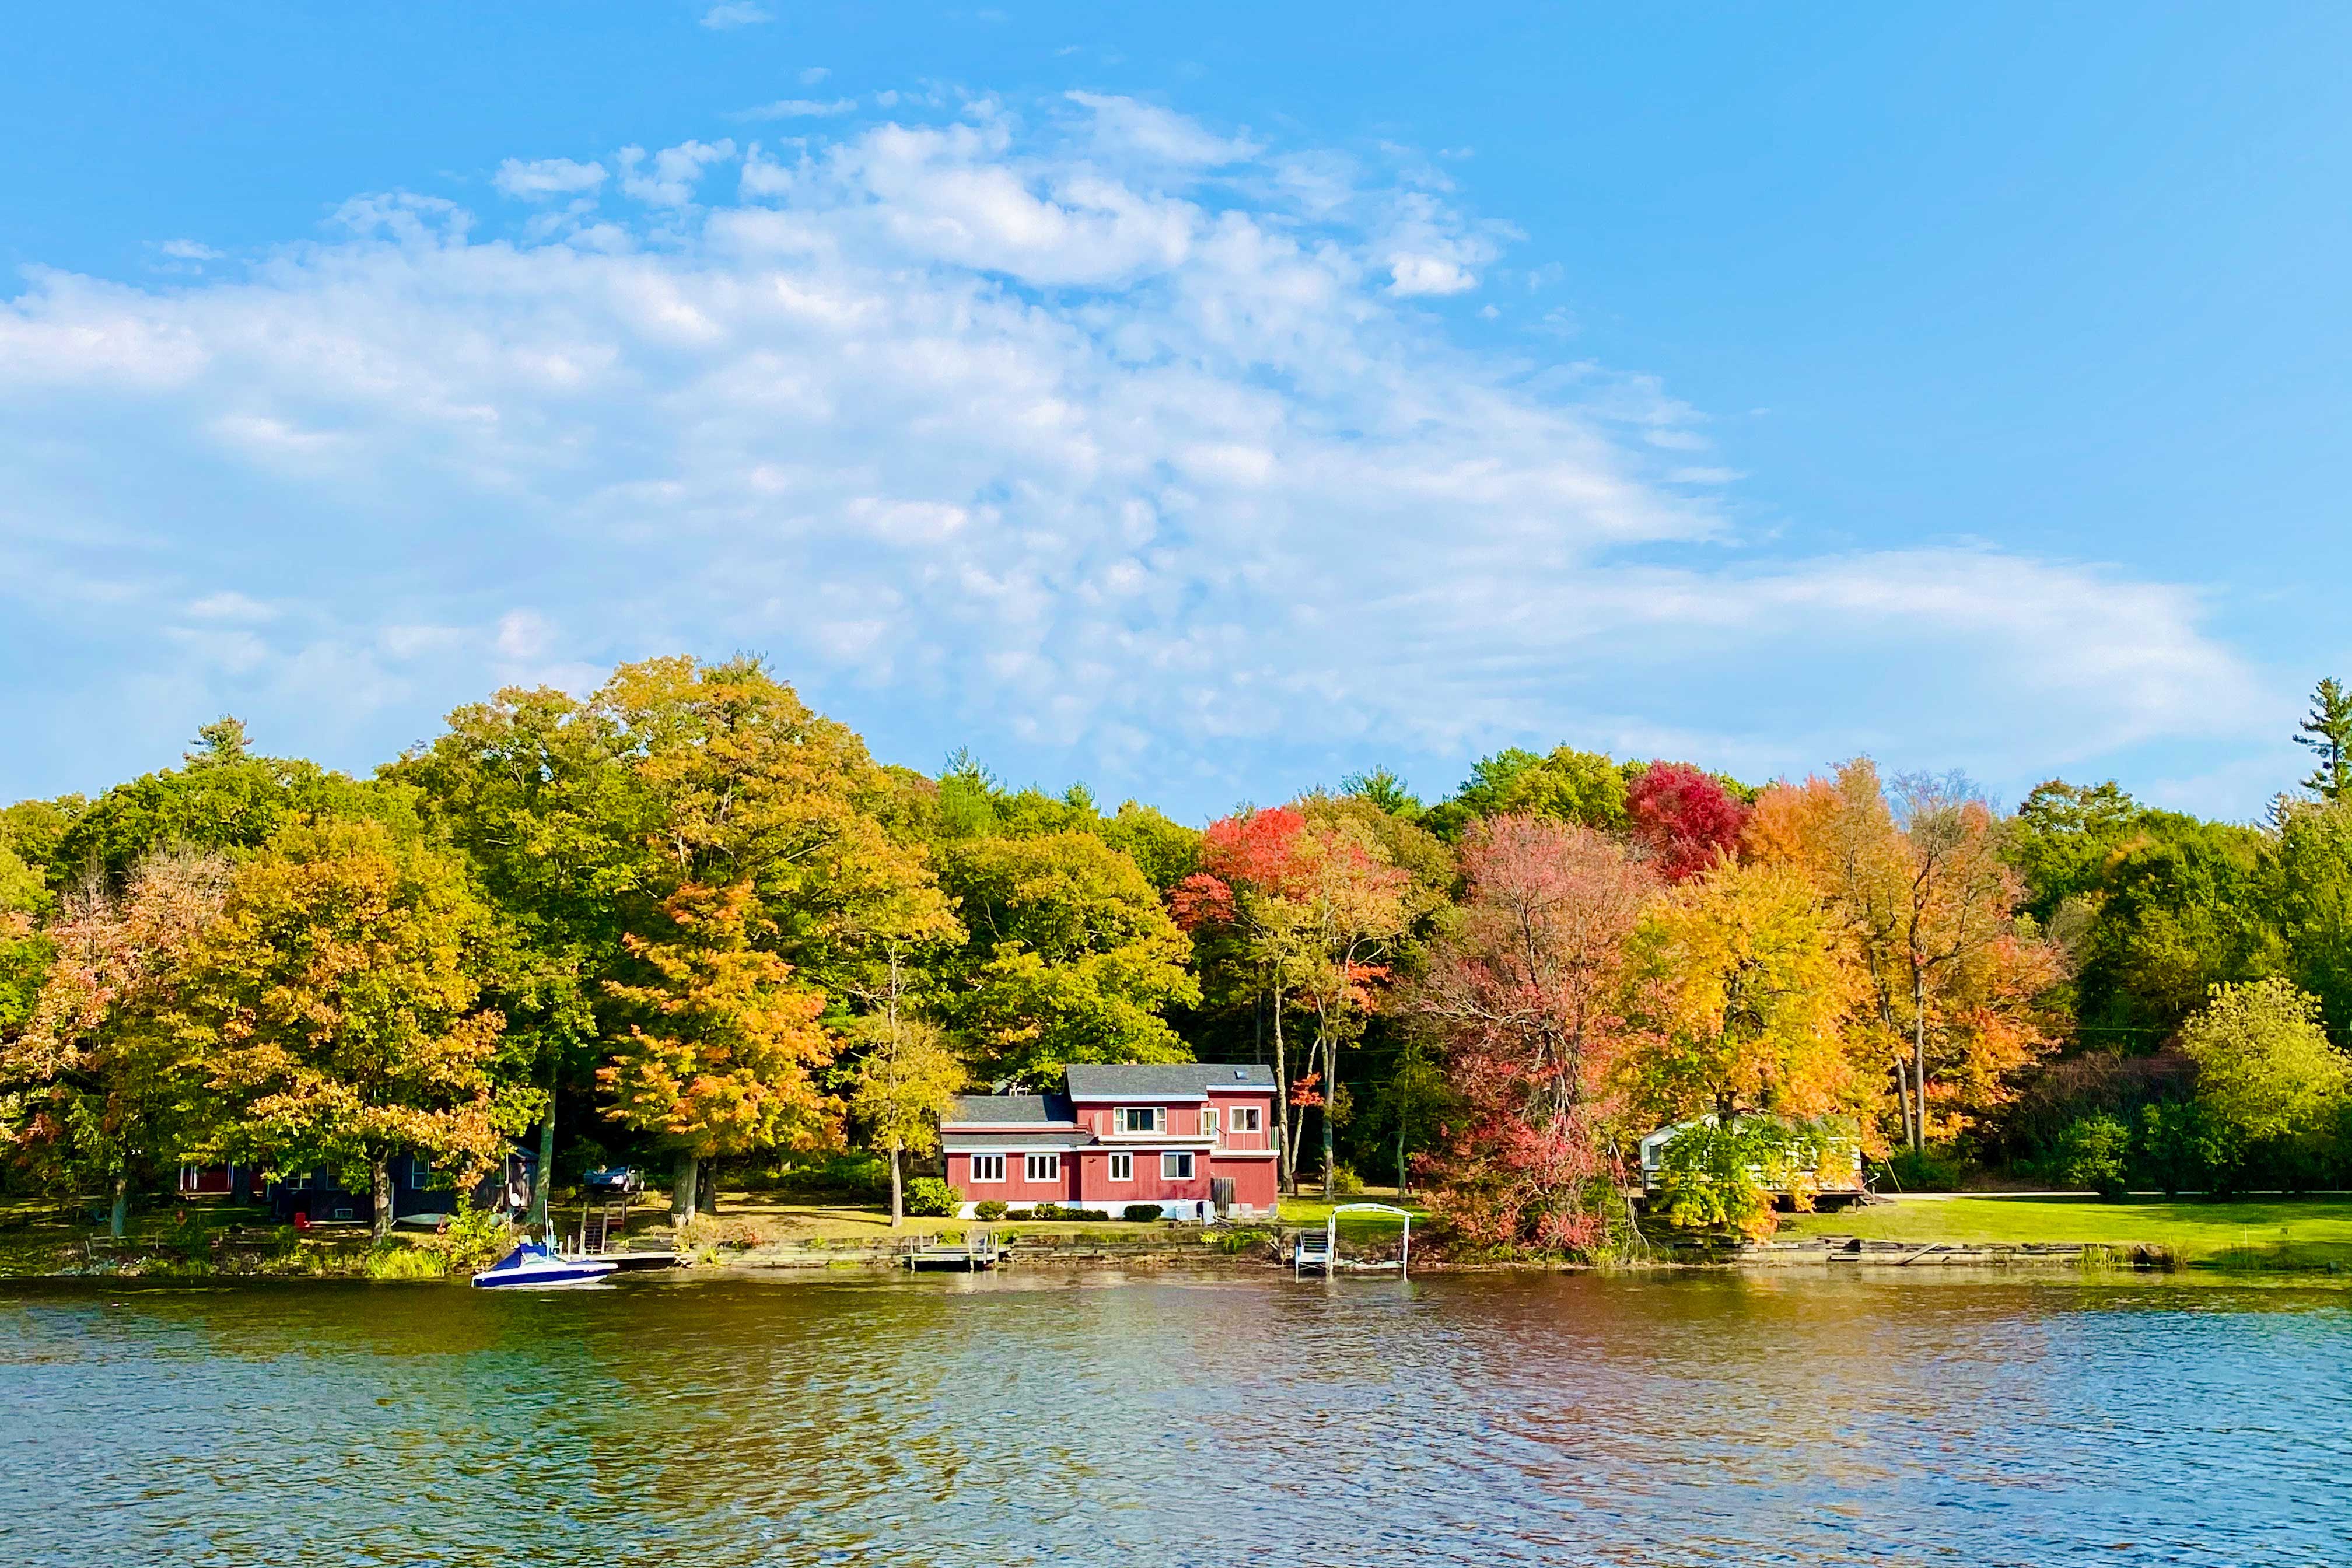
(537, 1263)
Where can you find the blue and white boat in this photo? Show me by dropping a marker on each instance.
(537, 1263)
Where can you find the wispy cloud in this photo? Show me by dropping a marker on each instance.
(730, 14)
(1020, 430)
(798, 109)
(547, 177)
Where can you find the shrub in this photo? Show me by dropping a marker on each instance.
(1924, 1170)
(932, 1198)
(2092, 1153)
(989, 1208)
(1727, 1175)
(476, 1237)
(707, 1233)
(393, 1259)
(1345, 1182)
(1140, 1212)
(1046, 1211)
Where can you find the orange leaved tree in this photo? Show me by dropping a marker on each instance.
(723, 1048)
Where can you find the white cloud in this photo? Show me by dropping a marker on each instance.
(228, 604)
(813, 75)
(545, 177)
(798, 109)
(1021, 434)
(188, 251)
(1410, 275)
(1124, 125)
(729, 14)
(668, 179)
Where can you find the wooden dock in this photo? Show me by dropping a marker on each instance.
(978, 1252)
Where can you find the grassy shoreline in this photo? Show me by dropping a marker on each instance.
(2271, 1235)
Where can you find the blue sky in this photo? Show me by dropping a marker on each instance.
(1198, 401)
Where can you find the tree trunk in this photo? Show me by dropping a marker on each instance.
(898, 1190)
(380, 1191)
(545, 1177)
(1403, 1188)
(1919, 1060)
(681, 1187)
(121, 1203)
(1287, 1157)
(1330, 1085)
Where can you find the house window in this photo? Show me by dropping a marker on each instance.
(988, 1167)
(1122, 1167)
(1209, 1121)
(1141, 1119)
(420, 1171)
(1176, 1167)
(1246, 1119)
(1041, 1167)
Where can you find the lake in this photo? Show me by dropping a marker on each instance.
(1037, 1418)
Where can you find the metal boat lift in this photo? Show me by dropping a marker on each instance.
(1320, 1253)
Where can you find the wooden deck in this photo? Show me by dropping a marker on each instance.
(978, 1252)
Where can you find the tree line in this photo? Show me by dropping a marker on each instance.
(687, 918)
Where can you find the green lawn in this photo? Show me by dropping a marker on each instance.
(2309, 1233)
(1312, 1211)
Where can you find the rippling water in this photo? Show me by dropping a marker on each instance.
(1029, 1419)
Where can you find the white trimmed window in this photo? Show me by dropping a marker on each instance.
(1139, 1119)
(1208, 1121)
(420, 1171)
(1176, 1167)
(988, 1167)
(1248, 1118)
(1041, 1167)
(1122, 1167)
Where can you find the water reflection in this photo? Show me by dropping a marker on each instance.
(1091, 1419)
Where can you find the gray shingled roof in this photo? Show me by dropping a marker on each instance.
(1147, 1079)
(1041, 1138)
(1029, 1108)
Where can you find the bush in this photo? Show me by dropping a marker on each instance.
(2092, 1152)
(1046, 1211)
(1924, 1169)
(989, 1208)
(707, 1233)
(1345, 1182)
(1089, 1213)
(1140, 1212)
(476, 1237)
(932, 1198)
(393, 1259)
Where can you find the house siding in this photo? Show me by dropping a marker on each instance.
(1089, 1138)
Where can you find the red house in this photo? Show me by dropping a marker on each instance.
(1180, 1136)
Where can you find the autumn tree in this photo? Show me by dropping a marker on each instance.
(1684, 820)
(1352, 906)
(1954, 975)
(1527, 985)
(97, 1088)
(335, 1004)
(539, 790)
(1239, 910)
(723, 1046)
(1745, 990)
(905, 1083)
